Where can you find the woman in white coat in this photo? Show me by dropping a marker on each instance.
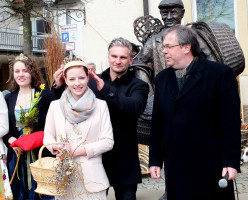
(84, 121)
(5, 190)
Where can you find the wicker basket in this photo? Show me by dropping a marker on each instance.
(222, 43)
(43, 171)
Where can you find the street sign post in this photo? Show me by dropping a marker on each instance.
(69, 36)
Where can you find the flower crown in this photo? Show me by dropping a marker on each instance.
(21, 57)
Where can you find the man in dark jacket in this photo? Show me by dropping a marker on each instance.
(126, 97)
(195, 122)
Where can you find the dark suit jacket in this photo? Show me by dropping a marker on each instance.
(196, 130)
(43, 105)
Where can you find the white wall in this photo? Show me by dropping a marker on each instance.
(153, 8)
(107, 20)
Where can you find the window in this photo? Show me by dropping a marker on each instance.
(220, 11)
(40, 30)
(42, 27)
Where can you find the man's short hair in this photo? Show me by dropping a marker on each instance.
(185, 35)
(120, 42)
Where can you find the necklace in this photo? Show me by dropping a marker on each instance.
(24, 100)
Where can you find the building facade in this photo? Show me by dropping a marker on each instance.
(89, 26)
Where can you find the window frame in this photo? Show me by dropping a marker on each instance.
(194, 14)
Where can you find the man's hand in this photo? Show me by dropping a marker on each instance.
(232, 173)
(155, 172)
(99, 81)
(59, 77)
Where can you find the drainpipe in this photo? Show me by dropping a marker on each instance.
(146, 7)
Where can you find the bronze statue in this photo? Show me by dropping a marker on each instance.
(150, 60)
(172, 12)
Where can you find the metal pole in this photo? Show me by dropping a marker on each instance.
(146, 7)
(68, 16)
(68, 21)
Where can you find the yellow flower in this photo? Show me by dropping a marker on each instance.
(35, 99)
(42, 86)
(37, 94)
(26, 114)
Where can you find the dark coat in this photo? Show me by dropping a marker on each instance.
(126, 98)
(196, 131)
(43, 105)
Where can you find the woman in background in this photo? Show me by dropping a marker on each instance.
(25, 80)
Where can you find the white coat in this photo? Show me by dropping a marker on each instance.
(97, 138)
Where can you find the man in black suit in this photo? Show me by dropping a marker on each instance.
(195, 122)
(126, 98)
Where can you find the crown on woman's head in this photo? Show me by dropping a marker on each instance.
(74, 61)
(68, 59)
(21, 57)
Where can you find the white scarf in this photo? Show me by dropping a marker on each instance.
(77, 111)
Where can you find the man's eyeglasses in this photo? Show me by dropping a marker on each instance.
(167, 47)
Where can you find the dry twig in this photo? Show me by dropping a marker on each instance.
(53, 57)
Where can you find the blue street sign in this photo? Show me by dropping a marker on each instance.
(65, 37)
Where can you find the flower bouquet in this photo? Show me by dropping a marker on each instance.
(64, 169)
(30, 117)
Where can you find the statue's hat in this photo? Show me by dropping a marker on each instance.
(165, 3)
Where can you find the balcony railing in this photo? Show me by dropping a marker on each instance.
(11, 41)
